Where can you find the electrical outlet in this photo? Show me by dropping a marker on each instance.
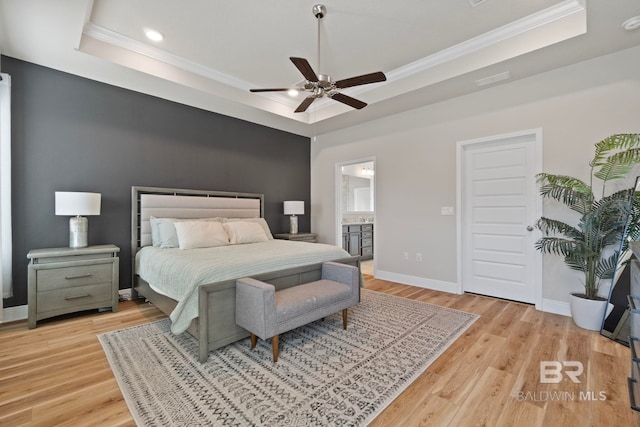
(418, 257)
(406, 255)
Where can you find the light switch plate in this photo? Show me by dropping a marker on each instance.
(447, 210)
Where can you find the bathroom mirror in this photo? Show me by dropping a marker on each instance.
(616, 324)
(357, 187)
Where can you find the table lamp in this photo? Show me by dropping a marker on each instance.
(293, 208)
(77, 204)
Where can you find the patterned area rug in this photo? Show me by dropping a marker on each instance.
(325, 376)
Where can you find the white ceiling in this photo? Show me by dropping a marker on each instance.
(214, 51)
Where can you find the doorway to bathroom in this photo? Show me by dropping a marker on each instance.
(355, 209)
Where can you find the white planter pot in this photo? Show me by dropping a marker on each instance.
(588, 313)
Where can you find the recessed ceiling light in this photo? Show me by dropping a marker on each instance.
(153, 35)
(631, 23)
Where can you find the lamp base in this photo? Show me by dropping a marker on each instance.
(293, 225)
(78, 230)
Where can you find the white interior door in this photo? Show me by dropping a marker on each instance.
(499, 204)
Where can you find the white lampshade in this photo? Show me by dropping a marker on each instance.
(77, 203)
(294, 207)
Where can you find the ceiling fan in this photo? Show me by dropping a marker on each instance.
(321, 85)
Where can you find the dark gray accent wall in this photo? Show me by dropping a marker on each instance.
(74, 134)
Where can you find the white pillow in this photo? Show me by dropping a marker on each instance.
(167, 237)
(261, 221)
(245, 232)
(155, 232)
(200, 234)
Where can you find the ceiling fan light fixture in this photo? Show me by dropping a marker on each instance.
(320, 85)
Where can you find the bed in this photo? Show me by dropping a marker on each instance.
(196, 287)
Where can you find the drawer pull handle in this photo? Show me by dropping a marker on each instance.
(79, 276)
(77, 297)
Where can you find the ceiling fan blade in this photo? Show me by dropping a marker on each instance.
(305, 104)
(305, 68)
(364, 79)
(352, 102)
(270, 90)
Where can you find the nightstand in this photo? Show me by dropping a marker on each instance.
(300, 237)
(66, 280)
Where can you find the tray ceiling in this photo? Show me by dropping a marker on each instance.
(213, 52)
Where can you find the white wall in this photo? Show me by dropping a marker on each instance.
(575, 106)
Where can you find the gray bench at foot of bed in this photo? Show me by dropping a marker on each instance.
(267, 313)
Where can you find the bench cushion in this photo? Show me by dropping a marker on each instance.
(267, 313)
(296, 305)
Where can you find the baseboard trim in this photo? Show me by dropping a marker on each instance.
(556, 307)
(548, 305)
(436, 285)
(11, 314)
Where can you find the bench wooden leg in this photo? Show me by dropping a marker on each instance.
(274, 348)
(254, 339)
(344, 319)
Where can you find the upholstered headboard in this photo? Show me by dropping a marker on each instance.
(180, 203)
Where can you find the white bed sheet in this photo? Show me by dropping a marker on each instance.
(178, 273)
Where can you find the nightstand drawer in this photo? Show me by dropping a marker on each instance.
(64, 280)
(68, 277)
(77, 296)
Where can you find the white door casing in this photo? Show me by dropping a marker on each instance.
(498, 203)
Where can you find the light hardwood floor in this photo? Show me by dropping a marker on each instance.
(57, 374)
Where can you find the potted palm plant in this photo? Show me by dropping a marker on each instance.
(593, 245)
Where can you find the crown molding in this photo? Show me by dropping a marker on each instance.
(469, 47)
(111, 37)
(521, 26)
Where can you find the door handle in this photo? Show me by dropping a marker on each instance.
(529, 228)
